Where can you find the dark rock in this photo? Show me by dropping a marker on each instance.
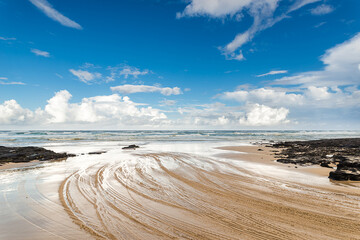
(99, 152)
(344, 152)
(260, 149)
(27, 154)
(347, 170)
(325, 164)
(133, 147)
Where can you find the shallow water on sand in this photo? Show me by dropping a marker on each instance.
(171, 190)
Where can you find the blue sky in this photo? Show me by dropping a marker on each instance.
(198, 64)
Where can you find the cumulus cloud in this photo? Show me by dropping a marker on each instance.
(218, 114)
(272, 97)
(99, 108)
(85, 76)
(120, 112)
(341, 67)
(262, 12)
(52, 13)
(128, 89)
(111, 110)
(12, 113)
(322, 9)
(38, 52)
(261, 115)
(272, 73)
(311, 97)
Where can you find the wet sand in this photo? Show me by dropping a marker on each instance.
(11, 165)
(177, 195)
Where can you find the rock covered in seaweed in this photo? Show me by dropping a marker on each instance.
(27, 154)
(133, 147)
(347, 170)
(343, 153)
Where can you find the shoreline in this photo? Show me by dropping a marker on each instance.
(14, 165)
(183, 190)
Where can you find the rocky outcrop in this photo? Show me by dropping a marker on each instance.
(347, 170)
(96, 153)
(342, 154)
(27, 154)
(133, 147)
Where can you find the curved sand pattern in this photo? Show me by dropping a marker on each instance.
(184, 196)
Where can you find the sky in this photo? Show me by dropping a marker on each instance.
(180, 64)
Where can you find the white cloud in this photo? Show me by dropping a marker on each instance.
(167, 102)
(220, 115)
(4, 81)
(301, 3)
(266, 96)
(128, 89)
(262, 12)
(235, 56)
(214, 8)
(311, 97)
(273, 73)
(12, 113)
(261, 115)
(132, 71)
(111, 110)
(322, 9)
(7, 39)
(341, 67)
(38, 52)
(318, 93)
(52, 13)
(90, 73)
(319, 24)
(59, 76)
(85, 76)
(125, 71)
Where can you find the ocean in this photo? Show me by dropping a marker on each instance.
(48, 138)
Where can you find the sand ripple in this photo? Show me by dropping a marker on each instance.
(173, 195)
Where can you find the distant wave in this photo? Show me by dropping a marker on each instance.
(41, 137)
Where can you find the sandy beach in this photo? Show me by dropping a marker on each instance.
(157, 194)
(265, 155)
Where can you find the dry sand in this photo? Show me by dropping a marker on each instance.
(184, 196)
(265, 155)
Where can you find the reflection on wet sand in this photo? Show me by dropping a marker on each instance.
(167, 195)
(164, 196)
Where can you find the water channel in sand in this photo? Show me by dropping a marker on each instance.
(173, 190)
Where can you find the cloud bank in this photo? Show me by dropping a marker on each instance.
(117, 112)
